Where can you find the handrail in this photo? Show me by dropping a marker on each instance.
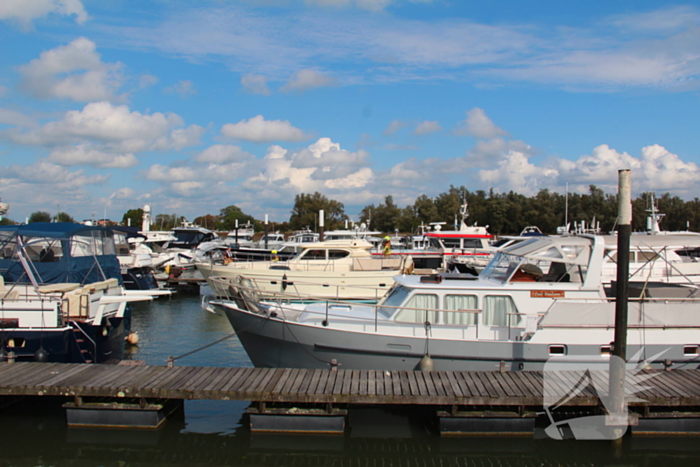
(82, 331)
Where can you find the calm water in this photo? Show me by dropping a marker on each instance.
(215, 432)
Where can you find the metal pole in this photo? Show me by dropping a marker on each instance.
(618, 406)
(236, 235)
(321, 224)
(266, 221)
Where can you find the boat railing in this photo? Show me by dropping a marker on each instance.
(247, 296)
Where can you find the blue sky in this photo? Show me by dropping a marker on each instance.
(194, 106)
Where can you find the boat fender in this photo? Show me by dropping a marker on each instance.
(41, 355)
(132, 338)
(426, 363)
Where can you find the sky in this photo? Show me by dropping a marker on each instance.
(194, 106)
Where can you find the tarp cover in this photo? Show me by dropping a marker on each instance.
(67, 268)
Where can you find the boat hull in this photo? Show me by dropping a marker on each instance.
(273, 342)
(70, 344)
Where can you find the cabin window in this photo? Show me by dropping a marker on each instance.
(315, 254)
(451, 243)
(338, 254)
(43, 250)
(393, 298)
(423, 307)
(460, 302)
(122, 244)
(88, 245)
(499, 309)
(472, 243)
(8, 244)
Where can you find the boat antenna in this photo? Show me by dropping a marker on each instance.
(566, 205)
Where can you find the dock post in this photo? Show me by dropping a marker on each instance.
(618, 404)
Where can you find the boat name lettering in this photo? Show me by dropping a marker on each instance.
(547, 294)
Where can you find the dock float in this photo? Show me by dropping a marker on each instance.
(465, 402)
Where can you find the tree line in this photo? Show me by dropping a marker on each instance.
(503, 213)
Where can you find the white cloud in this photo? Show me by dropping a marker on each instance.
(426, 128)
(307, 79)
(118, 128)
(394, 127)
(25, 11)
(46, 173)
(14, 118)
(4, 91)
(222, 154)
(479, 125)
(74, 71)
(255, 84)
(259, 130)
(518, 174)
(183, 88)
(83, 154)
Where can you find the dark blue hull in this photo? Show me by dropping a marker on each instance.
(139, 279)
(77, 343)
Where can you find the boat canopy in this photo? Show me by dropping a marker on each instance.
(570, 250)
(58, 252)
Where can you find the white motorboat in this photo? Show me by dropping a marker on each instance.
(60, 297)
(337, 268)
(540, 299)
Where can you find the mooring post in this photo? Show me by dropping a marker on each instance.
(618, 405)
(171, 361)
(266, 232)
(321, 226)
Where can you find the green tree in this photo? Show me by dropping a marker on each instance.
(229, 215)
(64, 217)
(167, 221)
(7, 221)
(306, 209)
(39, 216)
(133, 217)
(208, 221)
(386, 216)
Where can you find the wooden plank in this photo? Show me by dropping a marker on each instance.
(253, 382)
(199, 381)
(223, 375)
(347, 381)
(413, 383)
(177, 383)
(286, 389)
(505, 383)
(445, 383)
(158, 374)
(362, 388)
(355, 384)
(315, 381)
(62, 375)
(463, 384)
(476, 387)
(667, 386)
(100, 379)
(32, 375)
(492, 387)
(405, 386)
(243, 380)
(306, 382)
(381, 377)
(131, 378)
(395, 383)
(298, 381)
(524, 385)
(685, 381)
(372, 382)
(456, 389)
(441, 392)
(338, 384)
(430, 386)
(325, 386)
(14, 372)
(280, 381)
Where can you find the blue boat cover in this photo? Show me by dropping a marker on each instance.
(59, 252)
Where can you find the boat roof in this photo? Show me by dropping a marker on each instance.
(340, 243)
(569, 249)
(657, 241)
(50, 229)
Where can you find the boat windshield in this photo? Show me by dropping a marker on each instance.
(501, 267)
(394, 298)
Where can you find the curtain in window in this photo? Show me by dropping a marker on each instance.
(496, 311)
(422, 302)
(460, 302)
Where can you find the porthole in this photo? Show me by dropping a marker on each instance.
(557, 350)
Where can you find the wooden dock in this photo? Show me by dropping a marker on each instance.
(671, 394)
